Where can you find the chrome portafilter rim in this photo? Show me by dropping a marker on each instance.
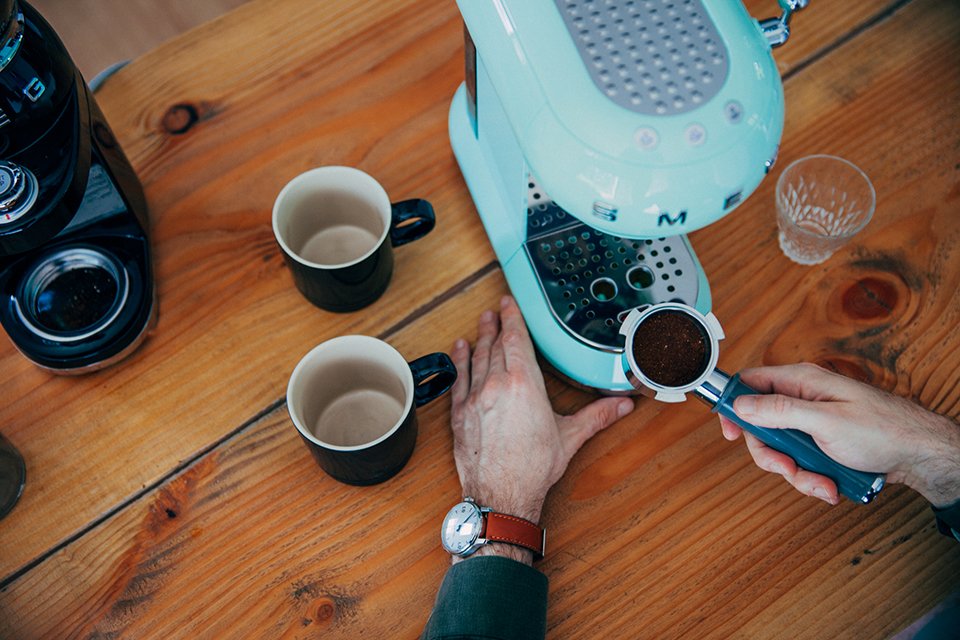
(708, 325)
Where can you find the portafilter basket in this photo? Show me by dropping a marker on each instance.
(671, 349)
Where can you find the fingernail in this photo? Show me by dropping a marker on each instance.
(624, 408)
(460, 344)
(504, 302)
(822, 494)
(487, 316)
(745, 405)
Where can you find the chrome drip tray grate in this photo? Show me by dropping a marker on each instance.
(591, 279)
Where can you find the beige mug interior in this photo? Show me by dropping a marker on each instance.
(331, 217)
(350, 393)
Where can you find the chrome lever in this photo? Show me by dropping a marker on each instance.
(777, 30)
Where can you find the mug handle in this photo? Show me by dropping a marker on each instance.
(438, 365)
(422, 216)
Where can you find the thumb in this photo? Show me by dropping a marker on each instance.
(594, 417)
(778, 411)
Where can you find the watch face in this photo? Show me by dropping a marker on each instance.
(461, 528)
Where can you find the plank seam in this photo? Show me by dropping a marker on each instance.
(270, 408)
(123, 504)
(845, 38)
(405, 321)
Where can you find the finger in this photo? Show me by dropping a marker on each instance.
(815, 486)
(770, 459)
(595, 417)
(486, 333)
(461, 387)
(497, 361)
(806, 482)
(517, 347)
(802, 380)
(731, 431)
(778, 411)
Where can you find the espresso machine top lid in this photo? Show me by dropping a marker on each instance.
(641, 117)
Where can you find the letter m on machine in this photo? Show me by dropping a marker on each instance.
(665, 217)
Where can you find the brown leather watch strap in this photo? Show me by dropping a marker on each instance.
(501, 527)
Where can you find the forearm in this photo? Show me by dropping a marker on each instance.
(936, 474)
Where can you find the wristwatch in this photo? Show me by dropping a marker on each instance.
(468, 526)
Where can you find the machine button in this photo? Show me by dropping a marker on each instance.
(11, 185)
(695, 135)
(7, 179)
(646, 138)
(733, 110)
(18, 191)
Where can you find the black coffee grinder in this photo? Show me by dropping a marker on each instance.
(76, 281)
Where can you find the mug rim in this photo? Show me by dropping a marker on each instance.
(326, 345)
(379, 193)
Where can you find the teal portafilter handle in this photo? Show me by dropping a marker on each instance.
(720, 390)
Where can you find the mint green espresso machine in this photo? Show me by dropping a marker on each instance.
(593, 135)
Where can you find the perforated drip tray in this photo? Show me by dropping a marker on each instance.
(591, 279)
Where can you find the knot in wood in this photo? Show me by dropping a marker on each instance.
(870, 298)
(180, 118)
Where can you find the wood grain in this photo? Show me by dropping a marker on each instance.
(215, 127)
(99, 33)
(232, 326)
(196, 511)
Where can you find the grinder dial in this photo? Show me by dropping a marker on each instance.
(18, 191)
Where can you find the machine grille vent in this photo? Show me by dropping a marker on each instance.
(656, 57)
(591, 280)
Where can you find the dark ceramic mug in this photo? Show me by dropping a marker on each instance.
(13, 476)
(337, 229)
(354, 399)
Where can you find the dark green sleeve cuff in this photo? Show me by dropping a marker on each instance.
(948, 520)
(490, 597)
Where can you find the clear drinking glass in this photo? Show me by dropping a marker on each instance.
(822, 202)
(13, 474)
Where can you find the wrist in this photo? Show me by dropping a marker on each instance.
(501, 549)
(936, 474)
(528, 507)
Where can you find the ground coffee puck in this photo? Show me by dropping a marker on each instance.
(671, 348)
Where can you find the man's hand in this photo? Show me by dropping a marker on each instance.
(509, 445)
(856, 425)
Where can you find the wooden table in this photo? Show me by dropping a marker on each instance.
(170, 496)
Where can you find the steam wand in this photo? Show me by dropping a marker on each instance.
(777, 30)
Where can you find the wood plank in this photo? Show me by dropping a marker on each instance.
(215, 123)
(251, 549)
(253, 540)
(232, 325)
